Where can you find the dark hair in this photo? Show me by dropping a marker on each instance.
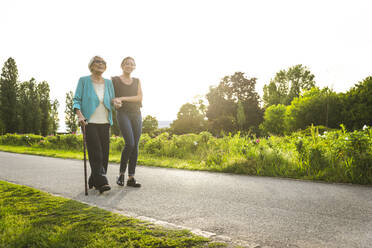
(126, 58)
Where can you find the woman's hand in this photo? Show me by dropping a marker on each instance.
(118, 105)
(82, 120)
(117, 102)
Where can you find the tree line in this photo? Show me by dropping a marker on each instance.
(291, 101)
(25, 107)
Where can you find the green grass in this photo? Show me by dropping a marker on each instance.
(143, 159)
(42, 151)
(31, 218)
(233, 166)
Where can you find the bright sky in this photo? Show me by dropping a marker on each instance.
(183, 47)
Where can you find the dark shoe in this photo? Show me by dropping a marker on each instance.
(133, 183)
(103, 188)
(90, 183)
(120, 180)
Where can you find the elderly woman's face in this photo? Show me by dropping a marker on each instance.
(98, 65)
(128, 66)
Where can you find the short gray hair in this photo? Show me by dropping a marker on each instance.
(92, 60)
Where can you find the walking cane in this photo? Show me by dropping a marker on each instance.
(85, 158)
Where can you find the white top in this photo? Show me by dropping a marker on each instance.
(100, 116)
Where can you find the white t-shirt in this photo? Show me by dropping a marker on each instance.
(100, 116)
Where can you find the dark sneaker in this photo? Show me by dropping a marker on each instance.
(104, 188)
(120, 180)
(133, 183)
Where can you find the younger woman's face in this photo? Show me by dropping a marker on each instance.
(128, 66)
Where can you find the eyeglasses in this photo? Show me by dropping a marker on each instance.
(99, 62)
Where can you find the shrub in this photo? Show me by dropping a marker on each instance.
(20, 139)
(71, 142)
(143, 140)
(117, 143)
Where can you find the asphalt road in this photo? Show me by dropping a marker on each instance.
(260, 211)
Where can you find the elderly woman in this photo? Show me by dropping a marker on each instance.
(128, 92)
(92, 103)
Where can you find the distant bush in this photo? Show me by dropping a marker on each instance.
(20, 139)
(65, 142)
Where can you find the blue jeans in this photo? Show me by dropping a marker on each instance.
(130, 124)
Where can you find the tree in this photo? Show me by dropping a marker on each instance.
(288, 84)
(25, 115)
(29, 108)
(221, 111)
(70, 118)
(53, 118)
(45, 107)
(2, 126)
(150, 125)
(199, 102)
(240, 116)
(8, 96)
(274, 94)
(317, 107)
(357, 103)
(223, 100)
(243, 90)
(34, 100)
(274, 120)
(189, 120)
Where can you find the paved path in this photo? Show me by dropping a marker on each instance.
(268, 212)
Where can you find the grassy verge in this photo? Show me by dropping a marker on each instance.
(42, 151)
(143, 159)
(31, 218)
(272, 162)
(332, 156)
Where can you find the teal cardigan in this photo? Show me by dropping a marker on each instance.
(86, 99)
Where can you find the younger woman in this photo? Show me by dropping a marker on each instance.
(128, 92)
